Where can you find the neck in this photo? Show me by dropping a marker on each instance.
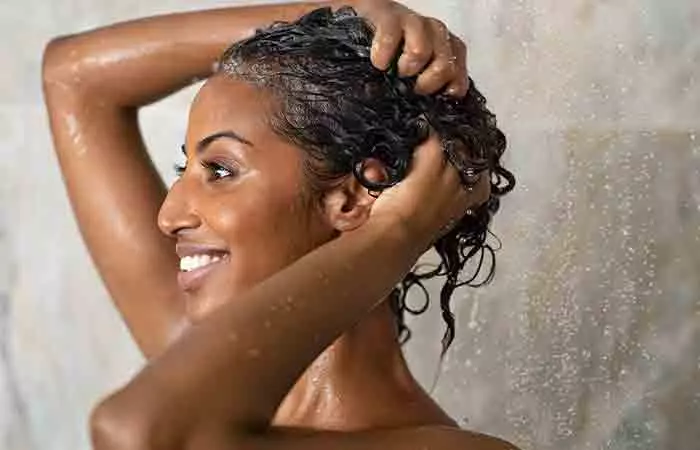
(365, 366)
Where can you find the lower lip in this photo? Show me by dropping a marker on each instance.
(193, 279)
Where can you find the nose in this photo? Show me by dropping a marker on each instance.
(177, 212)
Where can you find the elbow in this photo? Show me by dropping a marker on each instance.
(60, 65)
(52, 60)
(124, 421)
(116, 424)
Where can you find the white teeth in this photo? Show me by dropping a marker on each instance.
(188, 263)
(204, 260)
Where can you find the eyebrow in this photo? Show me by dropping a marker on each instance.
(201, 145)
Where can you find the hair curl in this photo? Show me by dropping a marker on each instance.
(340, 109)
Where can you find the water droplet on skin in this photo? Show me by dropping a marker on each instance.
(74, 133)
(72, 124)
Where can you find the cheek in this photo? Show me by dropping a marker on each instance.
(263, 235)
(264, 230)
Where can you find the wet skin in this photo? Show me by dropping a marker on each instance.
(245, 199)
(249, 202)
(94, 84)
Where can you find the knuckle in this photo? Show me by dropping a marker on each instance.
(440, 28)
(387, 29)
(416, 21)
(418, 51)
(445, 66)
(388, 38)
(459, 46)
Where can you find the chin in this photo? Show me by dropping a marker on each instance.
(216, 292)
(199, 306)
(215, 285)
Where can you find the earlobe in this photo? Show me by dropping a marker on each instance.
(348, 206)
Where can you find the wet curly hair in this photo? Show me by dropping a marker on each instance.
(340, 109)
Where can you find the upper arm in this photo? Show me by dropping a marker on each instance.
(115, 193)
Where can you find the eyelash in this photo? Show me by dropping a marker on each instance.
(212, 167)
(179, 170)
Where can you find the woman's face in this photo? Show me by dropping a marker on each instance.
(238, 210)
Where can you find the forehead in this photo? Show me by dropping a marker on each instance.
(224, 103)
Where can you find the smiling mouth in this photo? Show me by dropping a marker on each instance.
(194, 262)
(195, 268)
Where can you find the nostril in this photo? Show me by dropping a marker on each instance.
(165, 222)
(177, 212)
(173, 222)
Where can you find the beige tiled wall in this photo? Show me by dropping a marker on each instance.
(589, 338)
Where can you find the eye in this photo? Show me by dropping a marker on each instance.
(218, 171)
(179, 169)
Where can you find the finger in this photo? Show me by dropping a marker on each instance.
(385, 45)
(443, 68)
(460, 84)
(418, 48)
(428, 158)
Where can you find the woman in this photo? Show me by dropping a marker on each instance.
(262, 287)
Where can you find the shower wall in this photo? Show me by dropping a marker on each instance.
(589, 336)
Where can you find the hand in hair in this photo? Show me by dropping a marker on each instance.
(428, 49)
(432, 197)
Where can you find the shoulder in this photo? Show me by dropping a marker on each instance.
(450, 438)
(429, 437)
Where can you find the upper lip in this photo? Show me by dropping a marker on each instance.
(190, 249)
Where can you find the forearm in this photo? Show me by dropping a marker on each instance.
(277, 329)
(138, 62)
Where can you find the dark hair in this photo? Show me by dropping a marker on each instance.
(340, 109)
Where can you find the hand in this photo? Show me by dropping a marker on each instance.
(429, 47)
(431, 199)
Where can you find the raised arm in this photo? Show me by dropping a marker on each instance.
(94, 84)
(218, 387)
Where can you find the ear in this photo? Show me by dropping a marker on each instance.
(348, 205)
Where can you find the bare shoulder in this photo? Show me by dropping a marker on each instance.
(450, 438)
(432, 437)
